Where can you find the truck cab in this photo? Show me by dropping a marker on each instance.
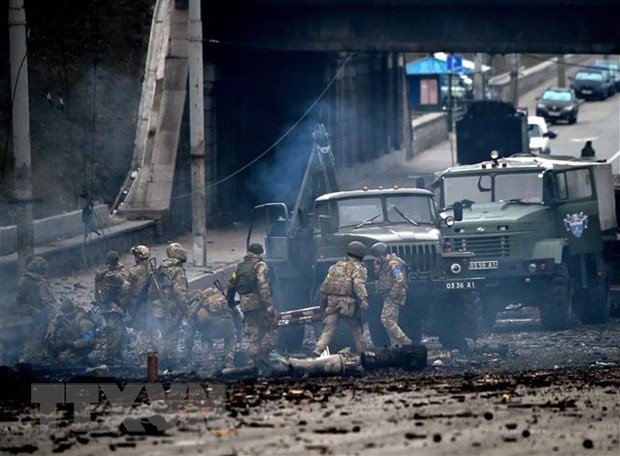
(542, 230)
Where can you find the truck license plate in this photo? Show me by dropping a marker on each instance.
(460, 285)
(478, 265)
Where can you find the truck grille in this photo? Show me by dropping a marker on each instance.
(491, 247)
(419, 257)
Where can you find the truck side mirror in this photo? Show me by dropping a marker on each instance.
(325, 222)
(551, 134)
(457, 207)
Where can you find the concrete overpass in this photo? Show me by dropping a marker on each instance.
(268, 61)
(490, 26)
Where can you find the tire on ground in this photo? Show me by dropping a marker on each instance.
(556, 308)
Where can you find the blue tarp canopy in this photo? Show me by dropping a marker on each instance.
(438, 65)
(430, 65)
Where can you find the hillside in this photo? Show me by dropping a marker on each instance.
(88, 56)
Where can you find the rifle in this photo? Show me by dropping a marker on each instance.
(306, 315)
(152, 265)
(237, 316)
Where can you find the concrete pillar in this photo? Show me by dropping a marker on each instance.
(406, 133)
(211, 155)
(197, 131)
(478, 78)
(21, 131)
(561, 71)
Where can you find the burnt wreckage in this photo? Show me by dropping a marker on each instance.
(301, 244)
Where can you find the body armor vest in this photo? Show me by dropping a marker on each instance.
(246, 276)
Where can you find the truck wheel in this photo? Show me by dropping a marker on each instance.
(458, 319)
(594, 308)
(556, 310)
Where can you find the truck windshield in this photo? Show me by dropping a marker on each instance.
(485, 188)
(408, 208)
(360, 211)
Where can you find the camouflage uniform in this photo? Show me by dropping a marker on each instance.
(343, 295)
(251, 281)
(34, 307)
(169, 310)
(214, 320)
(392, 286)
(139, 278)
(70, 336)
(110, 290)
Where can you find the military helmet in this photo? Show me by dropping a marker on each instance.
(177, 251)
(140, 251)
(256, 248)
(38, 265)
(379, 249)
(67, 306)
(356, 249)
(112, 258)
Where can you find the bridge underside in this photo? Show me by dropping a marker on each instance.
(495, 27)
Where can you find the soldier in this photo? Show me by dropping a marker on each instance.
(110, 289)
(168, 294)
(35, 304)
(139, 277)
(392, 286)
(251, 281)
(70, 336)
(214, 320)
(344, 295)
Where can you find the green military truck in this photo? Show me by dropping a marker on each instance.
(301, 245)
(543, 232)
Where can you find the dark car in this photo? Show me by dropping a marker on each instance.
(589, 84)
(557, 103)
(614, 70)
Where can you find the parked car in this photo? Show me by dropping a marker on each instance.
(539, 135)
(558, 103)
(613, 68)
(589, 84)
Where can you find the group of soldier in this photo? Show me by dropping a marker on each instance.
(156, 302)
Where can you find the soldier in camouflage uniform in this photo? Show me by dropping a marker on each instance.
(110, 290)
(392, 286)
(35, 305)
(344, 295)
(251, 281)
(168, 295)
(70, 336)
(139, 277)
(214, 320)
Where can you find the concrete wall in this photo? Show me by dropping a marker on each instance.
(55, 228)
(429, 130)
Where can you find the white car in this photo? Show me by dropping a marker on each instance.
(539, 135)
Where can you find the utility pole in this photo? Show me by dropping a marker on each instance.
(197, 135)
(21, 131)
